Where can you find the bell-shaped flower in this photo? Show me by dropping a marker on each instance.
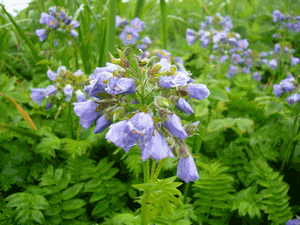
(293, 222)
(61, 69)
(37, 95)
(165, 64)
(50, 90)
(173, 124)
(97, 85)
(75, 24)
(157, 148)
(87, 112)
(51, 75)
(116, 134)
(187, 170)
(101, 124)
(79, 73)
(41, 33)
(295, 61)
(180, 79)
(49, 20)
(129, 36)
(287, 85)
(198, 91)
(146, 40)
(74, 33)
(257, 76)
(273, 64)
(139, 128)
(68, 90)
(80, 96)
(277, 91)
(293, 99)
(184, 106)
(117, 86)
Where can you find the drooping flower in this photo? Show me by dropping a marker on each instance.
(68, 90)
(257, 76)
(273, 64)
(277, 91)
(293, 99)
(180, 79)
(293, 222)
(120, 21)
(37, 95)
(198, 91)
(117, 135)
(184, 106)
(146, 40)
(129, 36)
(287, 85)
(41, 33)
(187, 170)
(157, 148)
(173, 124)
(295, 61)
(101, 124)
(80, 96)
(74, 33)
(87, 112)
(49, 20)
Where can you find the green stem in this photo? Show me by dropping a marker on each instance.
(159, 167)
(145, 205)
(139, 6)
(110, 32)
(186, 191)
(164, 32)
(69, 120)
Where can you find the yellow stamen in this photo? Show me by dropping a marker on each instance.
(135, 26)
(117, 88)
(134, 132)
(129, 37)
(52, 23)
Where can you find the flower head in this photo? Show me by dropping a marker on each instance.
(137, 24)
(68, 90)
(101, 124)
(117, 86)
(198, 91)
(242, 44)
(187, 170)
(129, 36)
(41, 33)
(120, 21)
(173, 124)
(277, 91)
(257, 76)
(49, 20)
(295, 61)
(184, 106)
(180, 79)
(87, 112)
(293, 99)
(80, 96)
(273, 64)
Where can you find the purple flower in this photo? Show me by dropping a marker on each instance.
(223, 58)
(68, 20)
(137, 24)
(37, 95)
(146, 40)
(139, 128)
(51, 75)
(101, 124)
(232, 70)
(120, 21)
(75, 24)
(293, 99)
(228, 89)
(49, 20)
(204, 42)
(274, 36)
(257, 76)
(249, 62)
(180, 79)
(52, 10)
(277, 91)
(165, 64)
(287, 85)
(232, 40)
(233, 49)
(190, 36)
(178, 60)
(198, 91)
(246, 70)
(277, 48)
(117, 135)
(68, 90)
(87, 112)
(80, 96)
(48, 105)
(293, 222)
(50, 90)
(61, 69)
(295, 61)
(187, 170)
(117, 86)
(277, 16)
(129, 36)
(264, 61)
(74, 33)
(62, 15)
(173, 124)
(157, 148)
(236, 58)
(164, 54)
(41, 33)
(273, 64)
(97, 85)
(285, 50)
(242, 44)
(184, 106)
(79, 73)
(263, 54)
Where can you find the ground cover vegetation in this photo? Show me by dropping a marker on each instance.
(150, 112)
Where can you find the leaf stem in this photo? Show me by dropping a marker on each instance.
(69, 120)
(145, 207)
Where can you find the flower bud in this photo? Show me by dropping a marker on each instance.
(162, 102)
(155, 69)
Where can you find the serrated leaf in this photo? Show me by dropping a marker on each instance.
(39, 202)
(38, 216)
(72, 191)
(73, 204)
(100, 207)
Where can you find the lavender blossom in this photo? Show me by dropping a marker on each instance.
(173, 124)
(129, 36)
(184, 106)
(187, 170)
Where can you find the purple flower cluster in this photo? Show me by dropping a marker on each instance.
(287, 85)
(291, 23)
(56, 20)
(156, 130)
(130, 34)
(64, 83)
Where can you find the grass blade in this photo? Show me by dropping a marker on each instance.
(164, 32)
(110, 31)
(139, 6)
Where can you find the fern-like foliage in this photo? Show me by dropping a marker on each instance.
(214, 192)
(273, 196)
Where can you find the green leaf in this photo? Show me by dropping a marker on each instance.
(68, 215)
(39, 202)
(273, 107)
(97, 196)
(73, 204)
(63, 183)
(72, 191)
(38, 216)
(54, 210)
(58, 174)
(100, 207)
(218, 94)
